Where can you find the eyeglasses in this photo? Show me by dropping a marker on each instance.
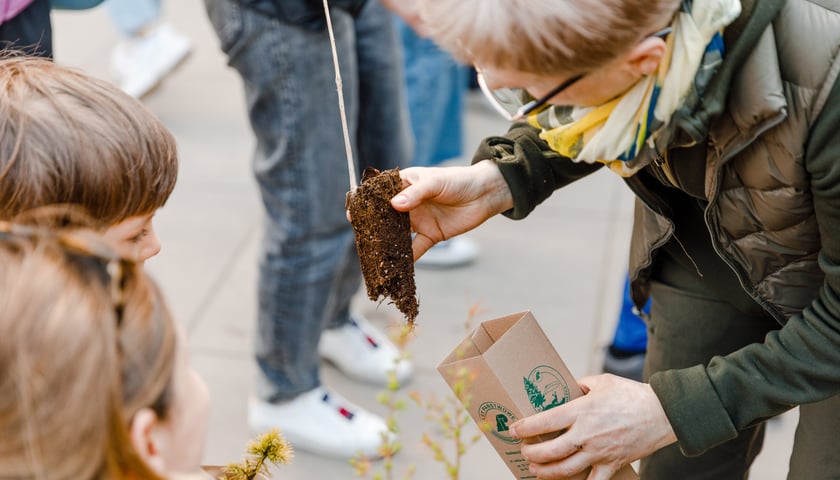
(515, 103)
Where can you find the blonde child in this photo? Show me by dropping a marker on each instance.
(68, 138)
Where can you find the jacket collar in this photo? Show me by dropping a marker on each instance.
(747, 87)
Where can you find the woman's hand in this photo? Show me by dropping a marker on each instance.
(616, 422)
(448, 201)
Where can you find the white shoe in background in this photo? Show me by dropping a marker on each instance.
(140, 63)
(362, 352)
(322, 422)
(450, 253)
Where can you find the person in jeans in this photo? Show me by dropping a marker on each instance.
(308, 268)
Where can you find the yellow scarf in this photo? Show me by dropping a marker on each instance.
(615, 132)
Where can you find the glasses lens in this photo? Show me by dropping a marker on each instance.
(506, 101)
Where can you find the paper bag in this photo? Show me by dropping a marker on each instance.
(514, 372)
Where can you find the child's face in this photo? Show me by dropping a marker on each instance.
(134, 238)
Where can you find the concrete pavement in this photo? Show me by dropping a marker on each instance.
(570, 275)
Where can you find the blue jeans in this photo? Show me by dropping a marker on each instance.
(435, 85)
(131, 16)
(309, 269)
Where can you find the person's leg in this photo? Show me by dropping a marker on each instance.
(306, 256)
(384, 134)
(30, 31)
(687, 328)
(302, 174)
(383, 141)
(815, 453)
(435, 85)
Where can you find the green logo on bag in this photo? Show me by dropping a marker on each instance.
(543, 385)
(497, 418)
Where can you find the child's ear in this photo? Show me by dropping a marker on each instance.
(149, 440)
(644, 58)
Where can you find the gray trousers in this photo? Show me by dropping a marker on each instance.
(687, 327)
(309, 269)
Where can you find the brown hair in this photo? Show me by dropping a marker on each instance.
(68, 138)
(86, 341)
(543, 37)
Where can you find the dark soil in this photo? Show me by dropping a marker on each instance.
(383, 239)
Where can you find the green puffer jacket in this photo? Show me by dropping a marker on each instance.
(770, 122)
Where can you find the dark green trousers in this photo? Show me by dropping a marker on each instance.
(686, 327)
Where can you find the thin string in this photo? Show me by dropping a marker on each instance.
(351, 165)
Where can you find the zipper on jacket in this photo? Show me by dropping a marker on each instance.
(667, 175)
(712, 226)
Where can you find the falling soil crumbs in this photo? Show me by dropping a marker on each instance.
(383, 239)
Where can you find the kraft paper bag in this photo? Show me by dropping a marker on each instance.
(515, 372)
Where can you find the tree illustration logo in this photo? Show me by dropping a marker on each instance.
(546, 388)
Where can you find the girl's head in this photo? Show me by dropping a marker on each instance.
(94, 378)
(69, 138)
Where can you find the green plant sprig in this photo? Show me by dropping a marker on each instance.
(268, 448)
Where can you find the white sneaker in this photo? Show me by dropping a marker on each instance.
(362, 352)
(322, 422)
(139, 64)
(450, 253)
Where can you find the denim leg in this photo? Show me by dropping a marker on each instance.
(384, 139)
(130, 16)
(383, 135)
(308, 266)
(436, 85)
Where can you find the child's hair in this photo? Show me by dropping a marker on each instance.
(86, 341)
(68, 138)
(543, 37)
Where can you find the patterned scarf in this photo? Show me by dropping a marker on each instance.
(615, 132)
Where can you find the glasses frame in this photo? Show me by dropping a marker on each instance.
(541, 102)
(529, 107)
